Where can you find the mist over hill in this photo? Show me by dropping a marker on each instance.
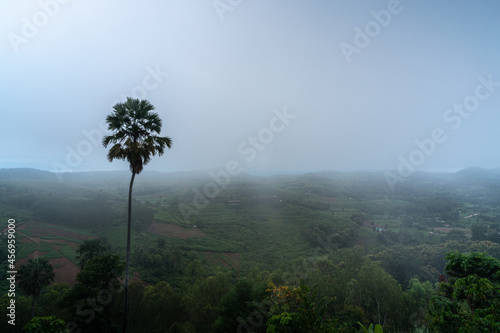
(27, 173)
(30, 173)
(191, 229)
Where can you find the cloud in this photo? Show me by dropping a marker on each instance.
(226, 77)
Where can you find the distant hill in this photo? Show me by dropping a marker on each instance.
(27, 173)
(479, 171)
(475, 173)
(468, 174)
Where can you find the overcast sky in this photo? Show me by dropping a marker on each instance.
(274, 85)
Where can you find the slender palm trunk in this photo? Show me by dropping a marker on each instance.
(125, 295)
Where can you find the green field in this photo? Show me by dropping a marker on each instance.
(267, 221)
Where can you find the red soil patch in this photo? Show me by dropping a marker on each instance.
(53, 231)
(172, 230)
(225, 259)
(369, 224)
(65, 270)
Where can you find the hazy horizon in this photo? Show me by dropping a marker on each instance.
(207, 172)
(273, 87)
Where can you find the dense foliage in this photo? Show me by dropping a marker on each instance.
(468, 299)
(33, 276)
(48, 324)
(309, 253)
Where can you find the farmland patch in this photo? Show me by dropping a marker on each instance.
(175, 231)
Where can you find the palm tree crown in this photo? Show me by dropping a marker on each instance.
(134, 125)
(34, 276)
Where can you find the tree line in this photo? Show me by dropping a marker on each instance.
(335, 291)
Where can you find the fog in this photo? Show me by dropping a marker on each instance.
(274, 86)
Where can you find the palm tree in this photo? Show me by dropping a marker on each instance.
(134, 125)
(34, 276)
